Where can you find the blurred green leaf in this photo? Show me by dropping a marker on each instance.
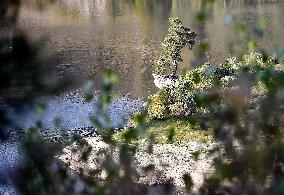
(203, 47)
(258, 31)
(241, 30)
(188, 182)
(252, 45)
(41, 107)
(109, 78)
(201, 17)
(57, 121)
(171, 134)
(262, 23)
(196, 155)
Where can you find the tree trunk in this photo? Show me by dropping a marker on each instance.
(174, 68)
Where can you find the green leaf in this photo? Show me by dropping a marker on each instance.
(201, 17)
(196, 155)
(241, 30)
(57, 121)
(109, 78)
(262, 23)
(171, 134)
(41, 107)
(203, 47)
(187, 181)
(259, 31)
(252, 45)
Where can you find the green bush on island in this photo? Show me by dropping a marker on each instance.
(185, 96)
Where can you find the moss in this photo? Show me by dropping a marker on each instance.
(171, 131)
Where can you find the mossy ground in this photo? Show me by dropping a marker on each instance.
(171, 131)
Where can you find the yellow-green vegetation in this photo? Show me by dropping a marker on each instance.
(158, 106)
(168, 109)
(186, 96)
(180, 130)
(171, 131)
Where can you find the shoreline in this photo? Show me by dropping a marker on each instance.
(170, 161)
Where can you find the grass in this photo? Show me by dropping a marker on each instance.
(171, 131)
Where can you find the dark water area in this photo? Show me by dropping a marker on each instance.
(87, 36)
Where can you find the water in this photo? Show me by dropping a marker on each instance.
(86, 36)
(73, 112)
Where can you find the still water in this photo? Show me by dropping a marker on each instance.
(87, 36)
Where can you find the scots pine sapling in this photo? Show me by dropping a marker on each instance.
(178, 37)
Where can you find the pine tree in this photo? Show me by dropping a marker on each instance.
(178, 37)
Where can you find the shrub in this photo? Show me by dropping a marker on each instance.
(158, 106)
(186, 95)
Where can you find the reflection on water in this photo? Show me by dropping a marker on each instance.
(87, 36)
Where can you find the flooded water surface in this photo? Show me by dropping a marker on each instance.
(87, 36)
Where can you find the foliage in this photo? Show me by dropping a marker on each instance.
(252, 136)
(158, 104)
(178, 37)
(171, 131)
(184, 97)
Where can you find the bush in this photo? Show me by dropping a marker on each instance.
(186, 95)
(158, 106)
